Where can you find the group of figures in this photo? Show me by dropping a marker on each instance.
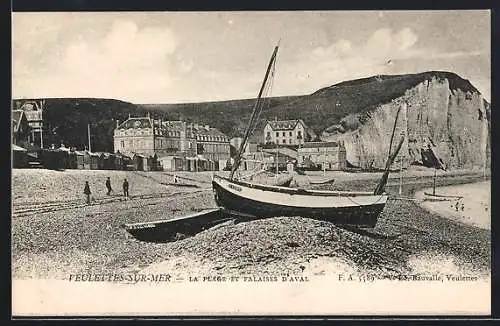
(87, 191)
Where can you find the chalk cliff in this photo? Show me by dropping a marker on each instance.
(456, 119)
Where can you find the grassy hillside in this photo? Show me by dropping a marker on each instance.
(66, 119)
(230, 117)
(329, 105)
(319, 110)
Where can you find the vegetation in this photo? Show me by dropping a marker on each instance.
(66, 119)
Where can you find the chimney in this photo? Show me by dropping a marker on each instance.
(207, 127)
(117, 123)
(129, 115)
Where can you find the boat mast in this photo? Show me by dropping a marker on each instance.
(237, 160)
(390, 159)
(400, 175)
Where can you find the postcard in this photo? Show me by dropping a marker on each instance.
(236, 163)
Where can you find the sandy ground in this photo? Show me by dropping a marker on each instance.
(476, 198)
(408, 240)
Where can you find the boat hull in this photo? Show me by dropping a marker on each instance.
(173, 229)
(360, 210)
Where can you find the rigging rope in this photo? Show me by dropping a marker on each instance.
(350, 198)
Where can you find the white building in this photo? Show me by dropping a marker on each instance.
(285, 132)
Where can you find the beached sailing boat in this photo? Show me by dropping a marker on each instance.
(260, 201)
(244, 201)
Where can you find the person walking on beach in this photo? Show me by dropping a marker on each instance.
(108, 186)
(125, 188)
(87, 192)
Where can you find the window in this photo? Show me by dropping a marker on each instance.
(122, 143)
(283, 134)
(290, 134)
(277, 134)
(299, 134)
(284, 141)
(289, 141)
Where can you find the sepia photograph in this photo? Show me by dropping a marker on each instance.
(243, 163)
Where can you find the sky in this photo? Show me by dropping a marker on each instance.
(180, 57)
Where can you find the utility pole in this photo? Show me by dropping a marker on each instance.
(434, 183)
(324, 163)
(42, 103)
(400, 175)
(88, 133)
(196, 155)
(277, 163)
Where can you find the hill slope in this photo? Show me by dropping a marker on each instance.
(66, 120)
(346, 110)
(230, 117)
(319, 110)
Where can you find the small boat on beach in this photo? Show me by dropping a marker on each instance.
(322, 181)
(435, 197)
(174, 229)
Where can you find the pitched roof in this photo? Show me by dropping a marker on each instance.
(173, 125)
(320, 144)
(136, 123)
(285, 124)
(210, 131)
(17, 116)
(18, 148)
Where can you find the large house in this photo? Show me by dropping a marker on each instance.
(285, 132)
(325, 155)
(147, 136)
(33, 110)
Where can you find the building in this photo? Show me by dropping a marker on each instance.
(249, 148)
(33, 109)
(148, 136)
(172, 163)
(20, 128)
(325, 155)
(212, 144)
(285, 132)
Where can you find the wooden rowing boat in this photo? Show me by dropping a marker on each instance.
(174, 229)
(435, 197)
(322, 181)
